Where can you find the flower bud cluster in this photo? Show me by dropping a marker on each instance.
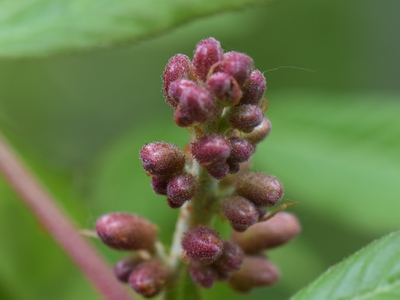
(166, 164)
(219, 98)
(253, 192)
(210, 258)
(257, 270)
(129, 232)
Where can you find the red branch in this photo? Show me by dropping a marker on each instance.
(34, 195)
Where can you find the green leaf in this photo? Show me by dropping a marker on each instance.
(338, 155)
(371, 273)
(39, 27)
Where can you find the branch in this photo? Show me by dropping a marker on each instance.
(33, 194)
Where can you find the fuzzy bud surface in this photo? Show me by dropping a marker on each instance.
(207, 53)
(202, 244)
(260, 188)
(274, 232)
(254, 89)
(256, 271)
(245, 117)
(160, 158)
(179, 66)
(124, 231)
(240, 212)
(149, 277)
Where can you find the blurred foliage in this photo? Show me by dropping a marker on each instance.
(371, 273)
(79, 120)
(40, 27)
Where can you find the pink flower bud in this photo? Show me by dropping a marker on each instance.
(124, 267)
(207, 53)
(241, 150)
(218, 170)
(225, 88)
(211, 149)
(274, 232)
(182, 188)
(202, 244)
(231, 259)
(260, 188)
(198, 102)
(259, 133)
(179, 66)
(256, 271)
(159, 184)
(149, 277)
(238, 65)
(245, 117)
(177, 87)
(124, 231)
(240, 212)
(163, 159)
(196, 105)
(174, 205)
(203, 275)
(254, 89)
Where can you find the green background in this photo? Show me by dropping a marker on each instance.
(79, 120)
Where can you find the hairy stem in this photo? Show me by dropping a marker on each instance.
(39, 201)
(199, 210)
(205, 203)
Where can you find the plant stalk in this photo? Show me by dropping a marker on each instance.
(41, 203)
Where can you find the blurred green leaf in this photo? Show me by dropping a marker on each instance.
(371, 273)
(338, 155)
(39, 27)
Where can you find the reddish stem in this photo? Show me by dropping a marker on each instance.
(34, 195)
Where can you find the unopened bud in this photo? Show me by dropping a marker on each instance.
(238, 65)
(207, 53)
(259, 133)
(174, 205)
(256, 271)
(159, 184)
(202, 244)
(234, 167)
(241, 150)
(254, 89)
(203, 275)
(218, 170)
(245, 117)
(179, 66)
(182, 188)
(260, 188)
(196, 105)
(225, 88)
(124, 267)
(162, 158)
(149, 277)
(124, 231)
(240, 212)
(231, 259)
(177, 87)
(211, 149)
(274, 232)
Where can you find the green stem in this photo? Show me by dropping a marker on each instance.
(199, 210)
(205, 203)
